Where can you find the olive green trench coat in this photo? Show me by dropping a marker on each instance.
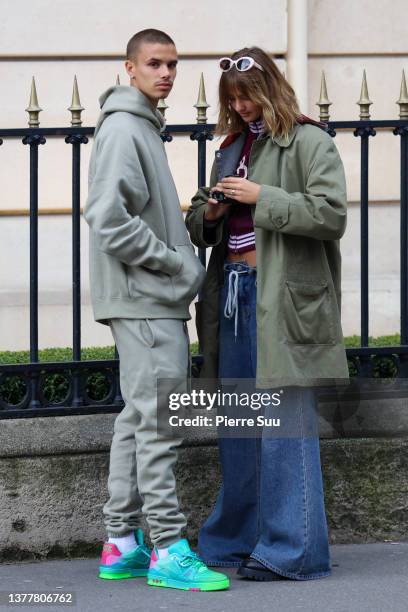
(299, 217)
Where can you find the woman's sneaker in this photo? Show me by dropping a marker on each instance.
(183, 569)
(133, 564)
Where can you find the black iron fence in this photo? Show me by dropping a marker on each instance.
(31, 379)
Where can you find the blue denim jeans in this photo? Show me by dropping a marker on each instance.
(271, 505)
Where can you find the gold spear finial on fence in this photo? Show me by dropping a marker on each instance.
(76, 108)
(117, 80)
(324, 101)
(201, 104)
(162, 106)
(364, 101)
(403, 99)
(33, 109)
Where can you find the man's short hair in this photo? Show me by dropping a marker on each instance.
(146, 36)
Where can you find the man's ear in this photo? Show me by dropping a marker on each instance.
(129, 66)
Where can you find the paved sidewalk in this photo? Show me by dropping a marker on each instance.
(366, 578)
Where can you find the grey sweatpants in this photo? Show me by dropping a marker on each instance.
(141, 478)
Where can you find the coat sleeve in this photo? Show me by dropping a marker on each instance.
(203, 235)
(319, 212)
(118, 180)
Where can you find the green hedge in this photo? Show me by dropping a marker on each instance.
(108, 352)
(56, 386)
(58, 354)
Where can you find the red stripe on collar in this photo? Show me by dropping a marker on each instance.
(302, 119)
(229, 139)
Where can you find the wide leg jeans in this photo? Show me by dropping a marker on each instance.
(271, 505)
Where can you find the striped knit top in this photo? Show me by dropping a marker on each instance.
(240, 225)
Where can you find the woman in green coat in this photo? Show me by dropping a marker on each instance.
(273, 215)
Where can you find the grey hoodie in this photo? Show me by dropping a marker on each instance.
(142, 264)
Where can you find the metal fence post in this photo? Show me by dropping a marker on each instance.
(33, 140)
(76, 140)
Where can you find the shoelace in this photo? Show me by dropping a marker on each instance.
(146, 550)
(192, 560)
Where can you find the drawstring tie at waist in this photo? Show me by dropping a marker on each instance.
(232, 303)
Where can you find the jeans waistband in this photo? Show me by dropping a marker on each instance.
(239, 266)
(232, 272)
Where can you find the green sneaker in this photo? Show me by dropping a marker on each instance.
(183, 569)
(133, 564)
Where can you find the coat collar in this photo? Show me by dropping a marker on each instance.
(280, 140)
(301, 120)
(285, 142)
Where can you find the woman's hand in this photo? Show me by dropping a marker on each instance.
(215, 209)
(240, 189)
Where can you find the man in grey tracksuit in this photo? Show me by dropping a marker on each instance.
(143, 275)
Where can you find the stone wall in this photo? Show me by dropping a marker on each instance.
(53, 475)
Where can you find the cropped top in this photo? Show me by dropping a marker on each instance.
(240, 224)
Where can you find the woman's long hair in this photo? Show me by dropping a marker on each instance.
(268, 88)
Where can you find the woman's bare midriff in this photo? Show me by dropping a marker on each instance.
(249, 257)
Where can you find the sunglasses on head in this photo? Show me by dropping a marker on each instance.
(242, 64)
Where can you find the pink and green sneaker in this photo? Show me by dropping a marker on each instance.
(183, 569)
(133, 564)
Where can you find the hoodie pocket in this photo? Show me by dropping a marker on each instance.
(187, 282)
(146, 283)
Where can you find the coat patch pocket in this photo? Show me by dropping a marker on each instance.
(308, 314)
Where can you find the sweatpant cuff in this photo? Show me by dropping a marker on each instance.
(167, 542)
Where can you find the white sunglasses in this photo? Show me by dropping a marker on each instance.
(242, 64)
